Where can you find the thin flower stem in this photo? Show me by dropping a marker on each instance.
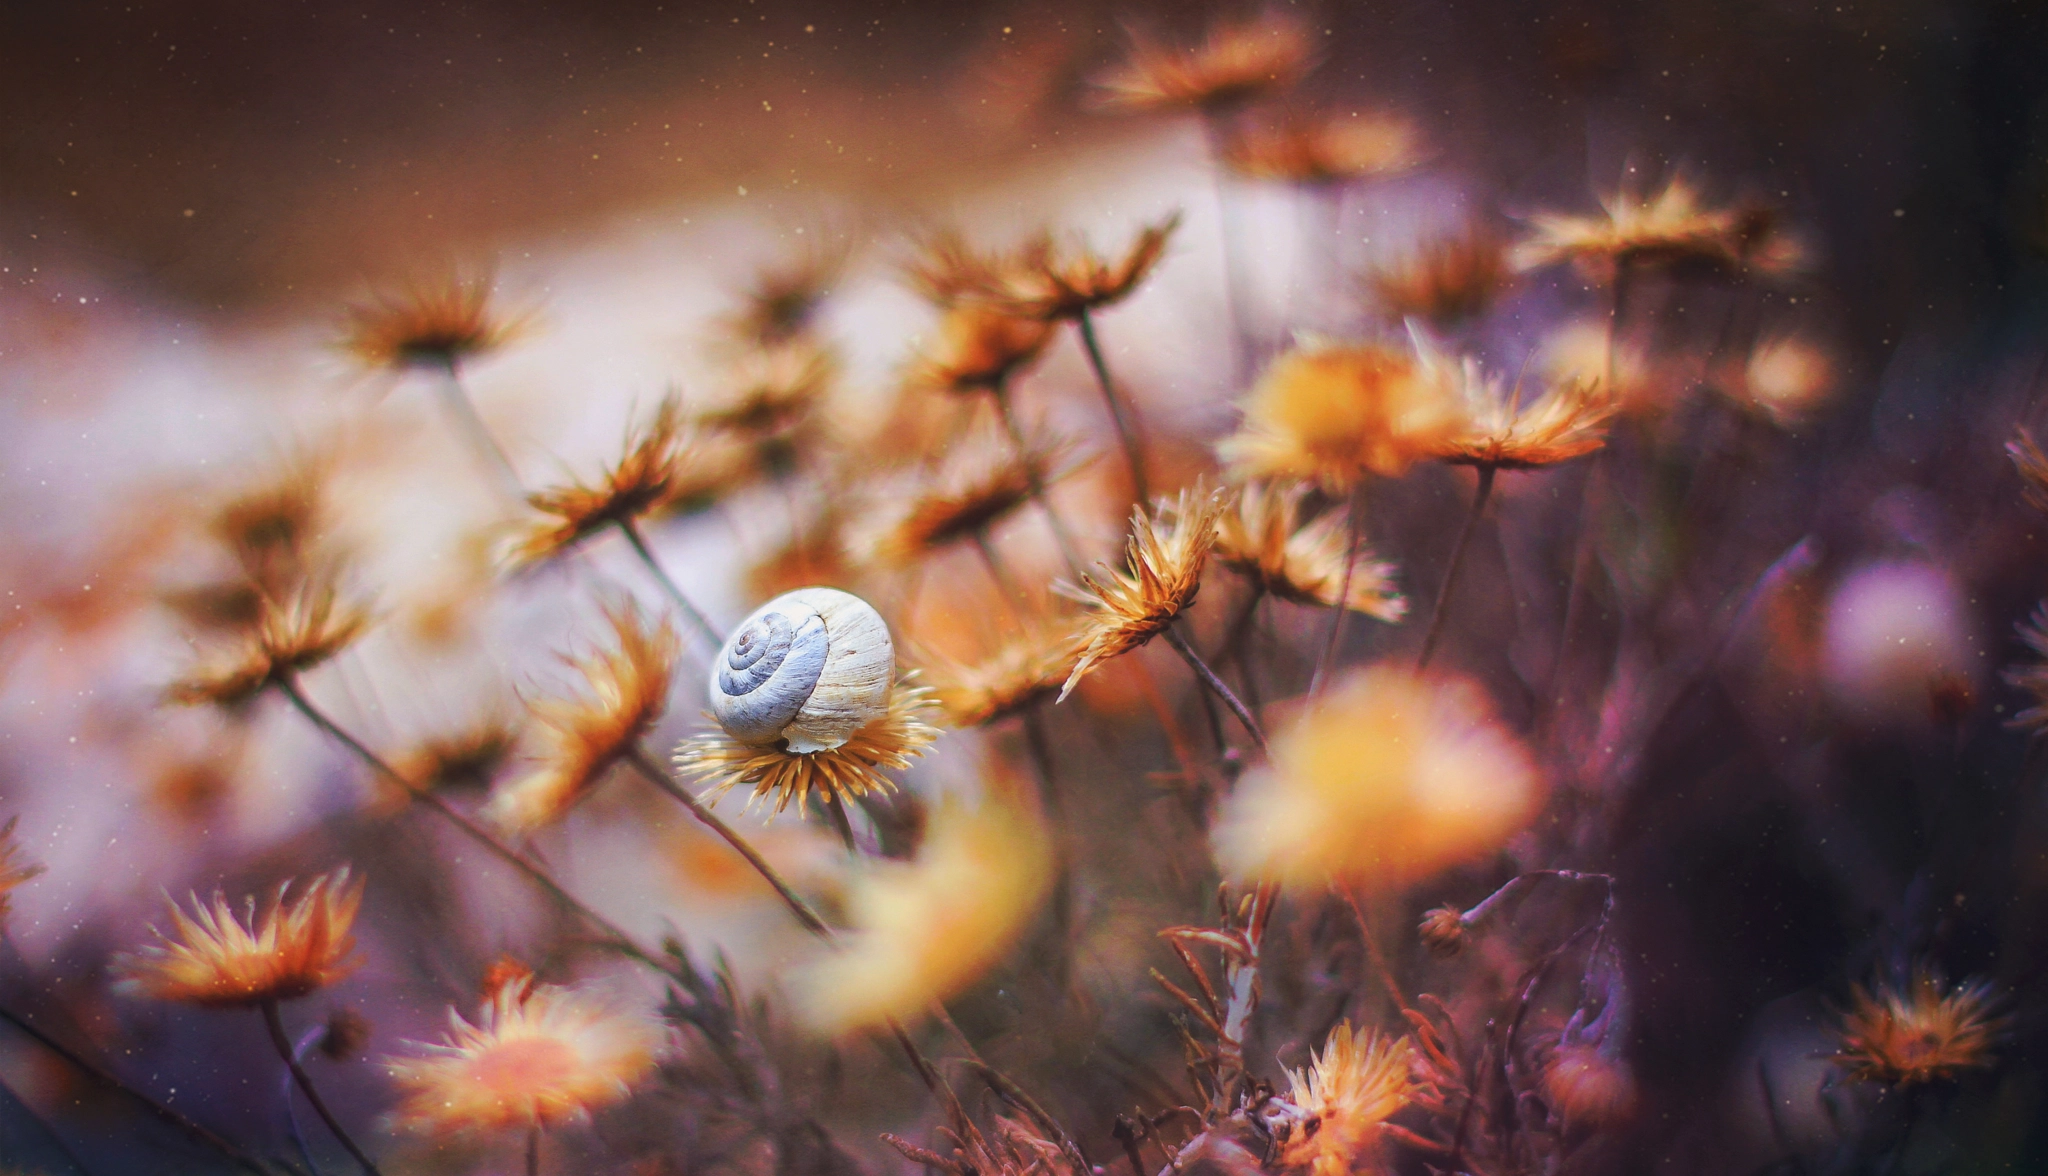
(657, 776)
(275, 1024)
(1443, 593)
(1126, 429)
(835, 811)
(690, 611)
(1061, 536)
(619, 940)
(1215, 684)
(1013, 594)
(1353, 524)
(533, 1150)
(1378, 957)
(1234, 294)
(456, 399)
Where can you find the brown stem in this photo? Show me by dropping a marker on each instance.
(835, 811)
(533, 1150)
(1039, 493)
(1126, 430)
(1443, 592)
(275, 1024)
(1215, 684)
(690, 611)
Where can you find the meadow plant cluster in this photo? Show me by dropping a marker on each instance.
(1102, 791)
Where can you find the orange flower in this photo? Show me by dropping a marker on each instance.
(1353, 1086)
(980, 348)
(1261, 536)
(854, 768)
(214, 959)
(1447, 281)
(14, 870)
(1668, 229)
(1237, 63)
(1923, 1032)
(652, 474)
(290, 637)
(1336, 412)
(436, 324)
(1048, 280)
(1564, 421)
(1326, 150)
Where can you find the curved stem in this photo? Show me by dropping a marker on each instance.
(456, 398)
(690, 611)
(275, 1024)
(1126, 429)
(1215, 684)
(1443, 593)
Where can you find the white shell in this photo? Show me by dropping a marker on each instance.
(809, 668)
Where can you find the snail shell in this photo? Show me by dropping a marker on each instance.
(810, 667)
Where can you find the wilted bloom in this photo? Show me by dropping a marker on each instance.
(1561, 422)
(1668, 229)
(1335, 412)
(924, 930)
(290, 637)
(772, 390)
(538, 1056)
(854, 768)
(1443, 931)
(979, 485)
(1386, 778)
(1028, 667)
(1787, 378)
(979, 348)
(1446, 281)
(648, 476)
(1260, 535)
(1048, 279)
(1236, 63)
(1324, 150)
(15, 869)
(1162, 572)
(1354, 1085)
(213, 958)
(439, 324)
(1894, 634)
(1922, 1032)
(585, 736)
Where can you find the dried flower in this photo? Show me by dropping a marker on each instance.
(15, 869)
(773, 390)
(539, 1056)
(216, 960)
(270, 527)
(1924, 1032)
(437, 324)
(467, 758)
(1237, 63)
(815, 554)
(855, 768)
(1353, 1086)
(1386, 778)
(1260, 535)
(1443, 931)
(924, 930)
(2033, 678)
(648, 476)
(1163, 571)
(979, 348)
(782, 300)
(1335, 412)
(1668, 229)
(586, 736)
(289, 638)
(1447, 282)
(946, 270)
(1027, 668)
(1325, 150)
(980, 484)
(2032, 464)
(1050, 280)
(1563, 422)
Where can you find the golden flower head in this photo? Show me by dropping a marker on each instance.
(1238, 62)
(1162, 573)
(1923, 1031)
(1386, 778)
(1564, 421)
(270, 528)
(1353, 1086)
(979, 348)
(1786, 378)
(1260, 535)
(291, 636)
(1029, 667)
(979, 485)
(1049, 279)
(214, 959)
(1668, 229)
(1301, 149)
(855, 768)
(1336, 412)
(773, 390)
(15, 869)
(538, 1056)
(437, 323)
(1446, 282)
(585, 736)
(2032, 465)
(651, 473)
(923, 930)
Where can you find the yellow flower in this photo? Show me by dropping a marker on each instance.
(14, 869)
(652, 474)
(1358, 1081)
(1260, 535)
(292, 636)
(1385, 779)
(1335, 412)
(1236, 63)
(1162, 573)
(586, 736)
(1926, 1032)
(438, 323)
(1667, 229)
(855, 768)
(539, 1055)
(979, 348)
(926, 929)
(1327, 150)
(214, 959)
(1564, 421)
(1446, 282)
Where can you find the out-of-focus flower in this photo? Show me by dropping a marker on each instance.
(1787, 378)
(926, 929)
(783, 299)
(1668, 229)
(1924, 1031)
(1238, 62)
(437, 323)
(652, 473)
(344, 1036)
(1579, 356)
(2033, 678)
(816, 554)
(538, 1056)
(1443, 931)
(1260, 535)
(772, 390)
(216, 960)
(1386, 778)
(1049, 280)
(290, 637)
(585, 736)
(854, 768)
(1328, 149)
(977, 487)
(1354, 1085)
(1587, 1087)
(979, 348)
(1562, 422)
(2032, 464)
(469, 758)
(1336, 412)
(15, 868)
(271, 527)
(1447, 282)
(1894, 633)
(1028, 667)
(1162, 572)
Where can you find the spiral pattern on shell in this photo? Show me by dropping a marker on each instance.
(807, 669)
